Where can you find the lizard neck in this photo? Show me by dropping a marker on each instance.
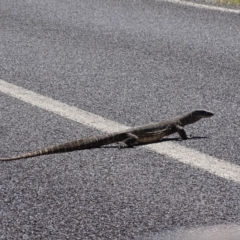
(188, 118)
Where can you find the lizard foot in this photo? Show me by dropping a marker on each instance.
(190, 136)
(122, 145)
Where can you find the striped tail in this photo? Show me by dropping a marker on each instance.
(85, 143)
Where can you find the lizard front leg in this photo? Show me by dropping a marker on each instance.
(182, 133)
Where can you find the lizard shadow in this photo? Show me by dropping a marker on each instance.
(177, 139)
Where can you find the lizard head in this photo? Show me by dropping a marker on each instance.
(202, 114)
(194, 116)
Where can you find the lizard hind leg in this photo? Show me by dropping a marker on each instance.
(131, 140)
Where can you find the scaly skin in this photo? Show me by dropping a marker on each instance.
(133, 136)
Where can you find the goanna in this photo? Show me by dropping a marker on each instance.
(128, 138)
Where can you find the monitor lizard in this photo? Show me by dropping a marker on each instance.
(137, 135)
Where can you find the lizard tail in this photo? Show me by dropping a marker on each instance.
(85, 143)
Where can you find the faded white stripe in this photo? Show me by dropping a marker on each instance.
(203, 6)
(197, 159)
(185, 155)
(62, 109)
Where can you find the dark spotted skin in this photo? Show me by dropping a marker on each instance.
(128, 138)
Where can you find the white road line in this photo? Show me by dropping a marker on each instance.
(185, 155)
(62, 109)
(203, 6)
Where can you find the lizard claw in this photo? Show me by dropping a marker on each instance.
(122, 145)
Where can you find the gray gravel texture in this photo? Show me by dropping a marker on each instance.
(133, 62)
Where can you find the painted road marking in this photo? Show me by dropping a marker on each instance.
(185, 155)
(203, 6)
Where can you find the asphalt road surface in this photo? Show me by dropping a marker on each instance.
(132, 62)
